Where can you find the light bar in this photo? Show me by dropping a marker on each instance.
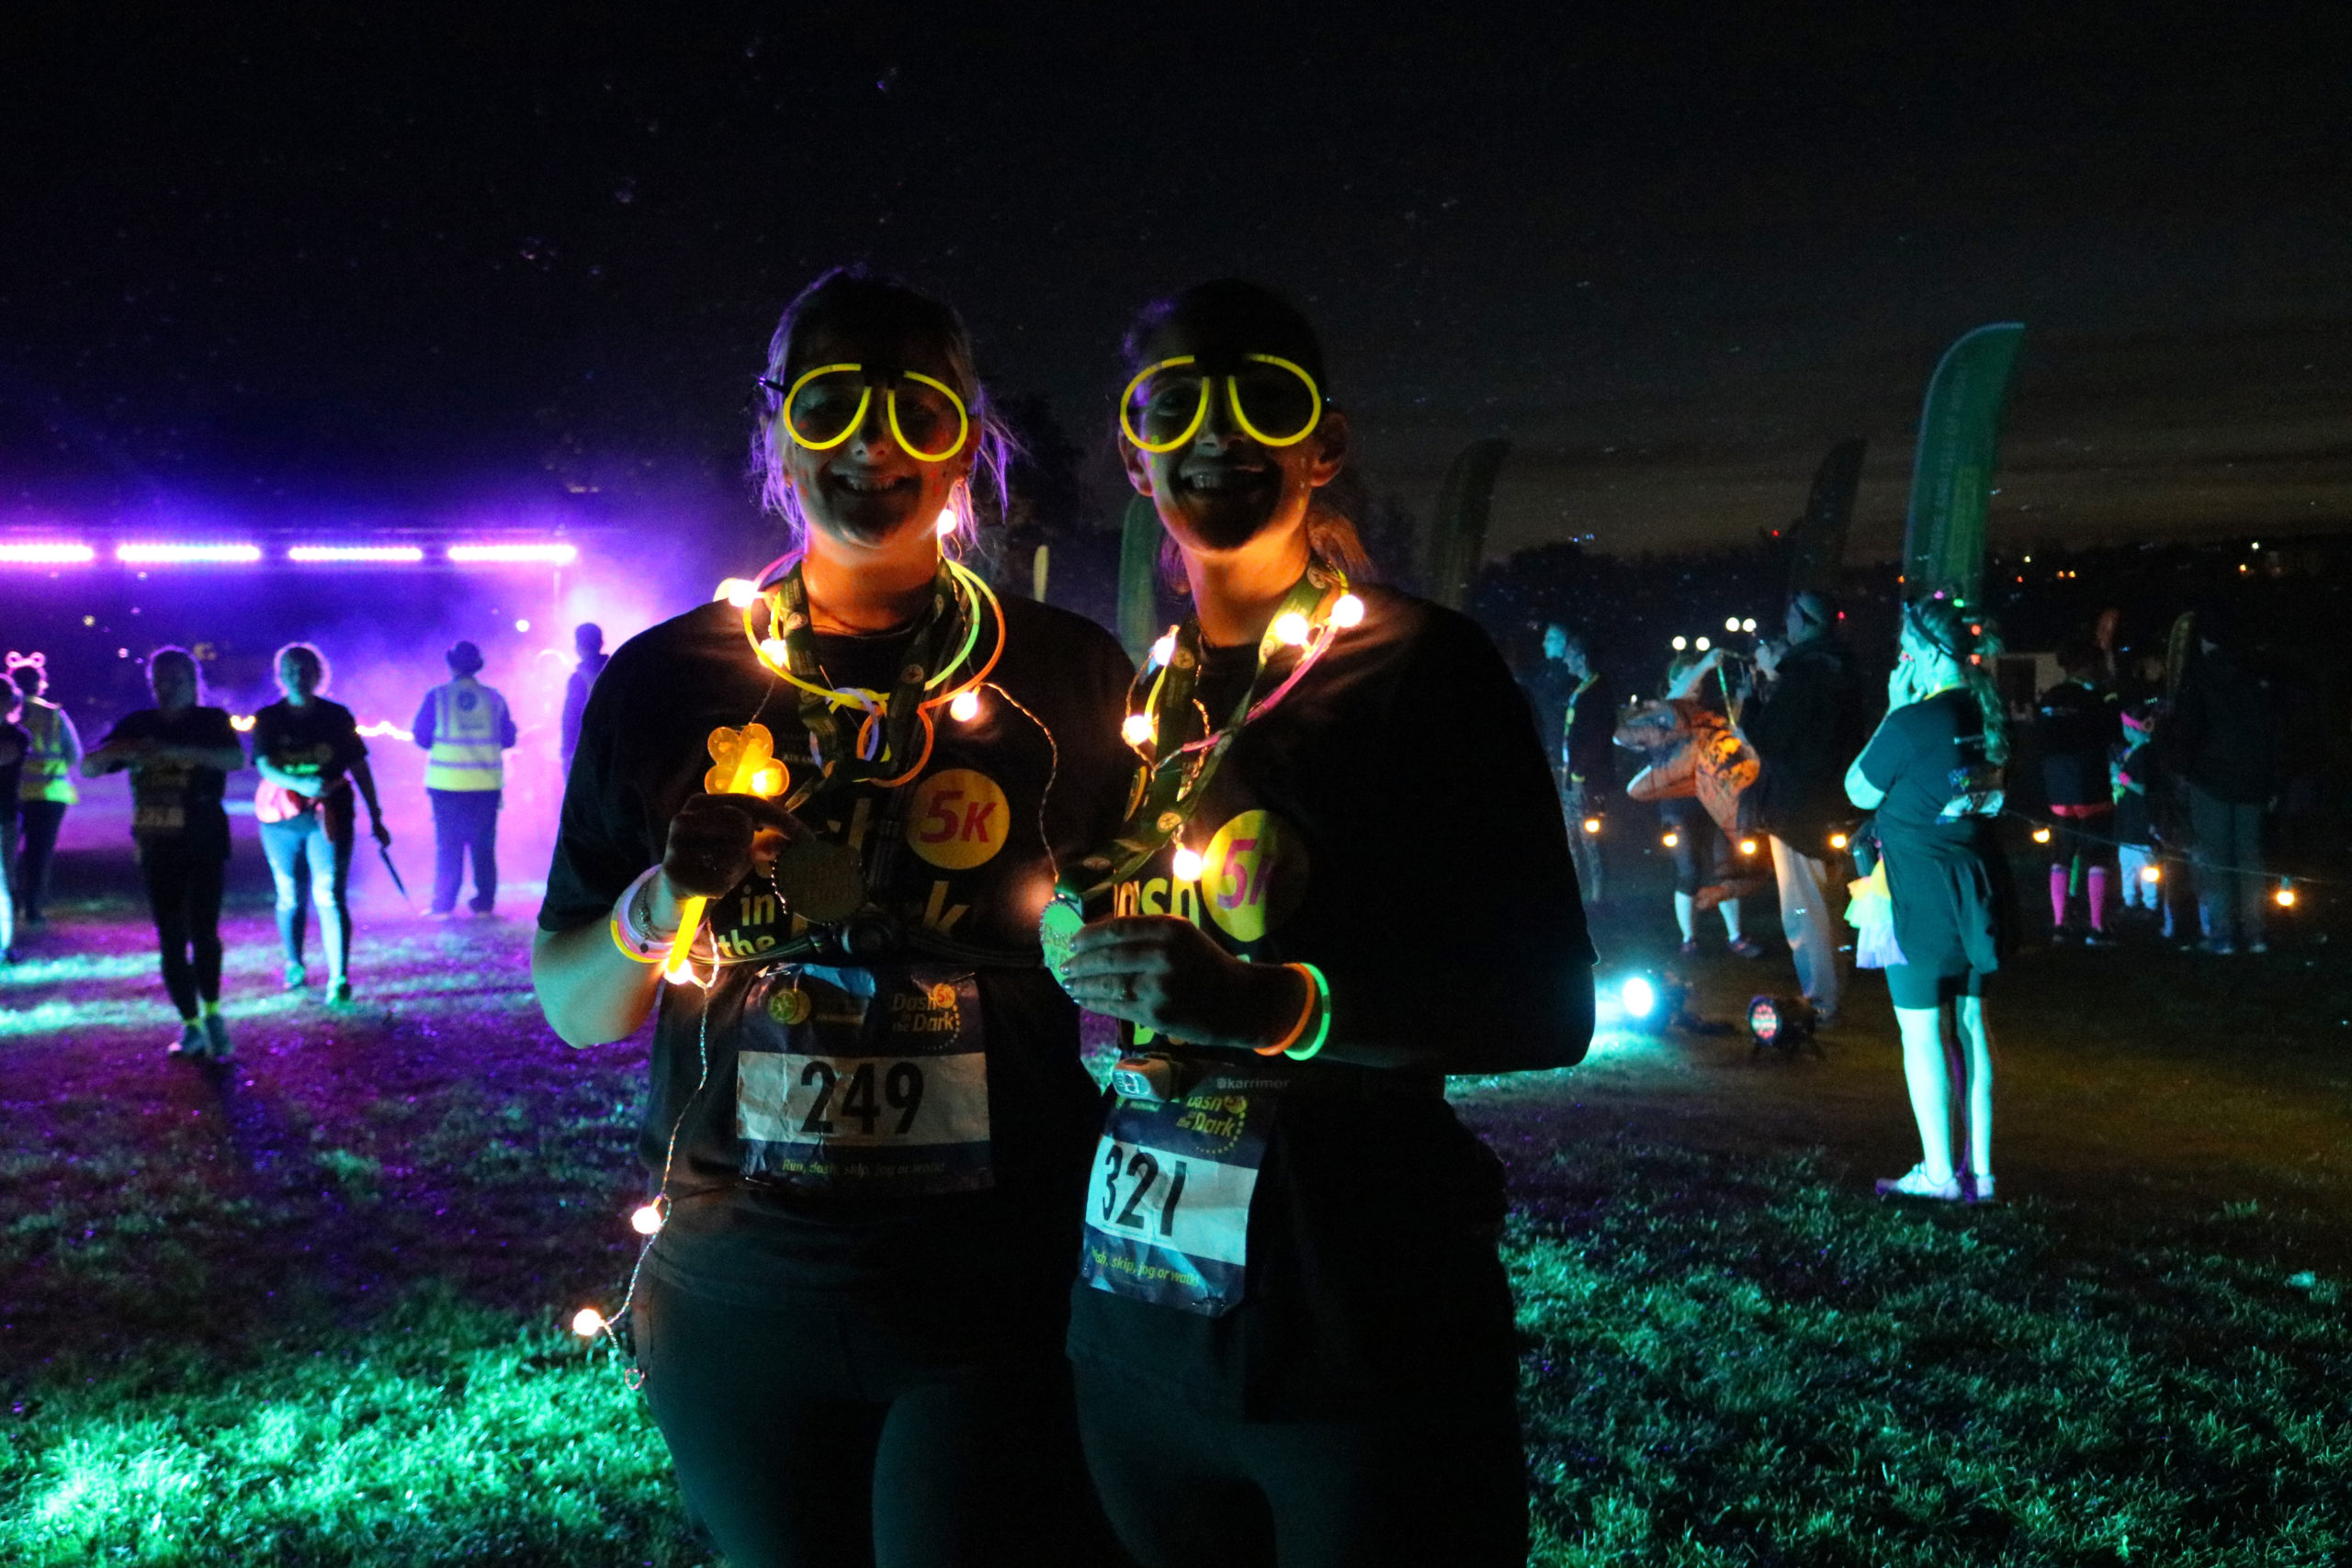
(47, 555)
(514, 554)
(356, 553)
(171, 555)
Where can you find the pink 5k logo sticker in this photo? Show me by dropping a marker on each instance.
(1253, 875)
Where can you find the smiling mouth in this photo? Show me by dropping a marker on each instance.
(869, 484)
(1218, 479)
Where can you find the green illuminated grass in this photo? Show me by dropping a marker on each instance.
(1738, 1362)
(312, 1315)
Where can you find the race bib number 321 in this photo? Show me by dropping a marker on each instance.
(1168, 1202)
(872, 1081)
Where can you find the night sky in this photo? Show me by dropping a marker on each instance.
(432, 266)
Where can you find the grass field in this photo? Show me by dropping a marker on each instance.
(311, 1311)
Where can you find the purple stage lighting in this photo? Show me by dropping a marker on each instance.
(46, 554)
(514, 554)
(177, 555)
(386, 553)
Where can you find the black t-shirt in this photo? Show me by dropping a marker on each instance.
(984, 829)
(1392, 822)
(2078, 726)
(169, 802)
(1929, 757)
(321, 736)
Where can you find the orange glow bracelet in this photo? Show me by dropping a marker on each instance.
(1314, 995)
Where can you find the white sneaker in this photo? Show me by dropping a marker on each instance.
(1916, 1184)
(1980, 1187)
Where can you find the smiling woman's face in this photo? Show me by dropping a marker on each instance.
(1223, 489)
(868, 492)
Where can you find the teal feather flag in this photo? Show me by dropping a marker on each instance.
(1458, 538)
(1951, 480)
(1139, 538)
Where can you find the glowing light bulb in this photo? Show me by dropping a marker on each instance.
(1290, 627)
(738, 590)
(2286, 895)
(1187, 864)
(1837, 841)
(1731, 622)
(1680, 643)
(2152, 874)
(646, 1220)
(769, 781)
(771, 649)
(1136, 729)
(1348, 612)
(1671, 839)
(1702, 645)
(2042, 835)
(965, 707)
(946, 524)
(1592, 824)
(587, 1323)
(1747, 846)
(1165, 648)
(522, 626)
(1748, 624)
(241, 722)
(1638, 997)
(679, 973)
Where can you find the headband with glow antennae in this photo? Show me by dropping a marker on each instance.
(1233, 402)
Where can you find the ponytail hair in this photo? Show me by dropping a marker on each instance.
(1970, 640)
(1258, 317)
(855, 300)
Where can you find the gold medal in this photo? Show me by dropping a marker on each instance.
(1056, 927)
(821, 880)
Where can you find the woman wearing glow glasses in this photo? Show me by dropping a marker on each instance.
(829, 812)
(1343, 876)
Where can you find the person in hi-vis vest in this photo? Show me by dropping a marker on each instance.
(464, 726)
(45, 784)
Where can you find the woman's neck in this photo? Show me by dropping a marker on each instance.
(1237, 593)
(878, 593)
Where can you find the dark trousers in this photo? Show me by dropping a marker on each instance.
(2230, 880)
(814, 1437)
(311, 864)
(464, 820)
(41, 820)
(1422, 1485)
(183, 893)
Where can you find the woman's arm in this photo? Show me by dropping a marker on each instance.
(1860, 790)
(112, 757)
(591, 991)
(365, 779)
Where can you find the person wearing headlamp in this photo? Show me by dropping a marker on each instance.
(1343, 876)
(828, 810)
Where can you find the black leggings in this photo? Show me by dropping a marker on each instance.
(184, 892)
(42, 819)
(1420, 1486)
(815, 1437)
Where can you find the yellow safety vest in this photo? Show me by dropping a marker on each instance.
(466, 719)
(48, 766)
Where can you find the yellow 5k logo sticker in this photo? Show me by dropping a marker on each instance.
(959, 820)
(1253, 875)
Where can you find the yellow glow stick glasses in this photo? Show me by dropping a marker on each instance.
(1285, 396)
(826, 406)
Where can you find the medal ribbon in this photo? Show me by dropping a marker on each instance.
(1174, 779)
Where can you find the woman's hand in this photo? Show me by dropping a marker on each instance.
(1165, 974)
(1898, 685)
(716, 841)
(381, 834)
